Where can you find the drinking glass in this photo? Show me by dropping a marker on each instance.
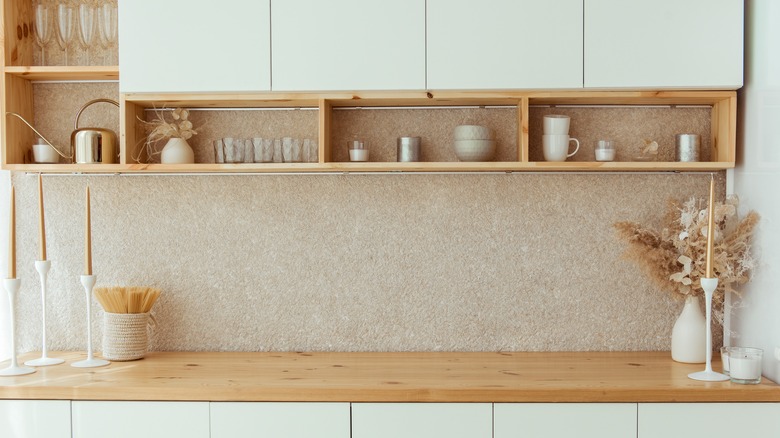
(86, 27)
(64, 27)
(107, 20)
(42, 28)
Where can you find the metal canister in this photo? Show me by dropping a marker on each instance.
(408, 149)
(687, 147)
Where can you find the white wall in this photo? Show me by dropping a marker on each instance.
(757, 179)
(5, 183)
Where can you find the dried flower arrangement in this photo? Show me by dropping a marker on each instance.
(161, 129)
(674, 257)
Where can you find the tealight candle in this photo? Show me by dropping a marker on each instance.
(745, 365)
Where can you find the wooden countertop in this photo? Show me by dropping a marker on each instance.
(384, 377)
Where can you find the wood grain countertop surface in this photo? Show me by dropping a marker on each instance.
(384, 377)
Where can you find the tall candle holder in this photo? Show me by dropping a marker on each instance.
(43, 267)
(88, 281)
(709, 285)
(12, 287)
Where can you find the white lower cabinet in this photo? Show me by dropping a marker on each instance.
(124, 419)
(708, 420)
(277, 420)
(422, 420)
(565, 420)
(35, 418)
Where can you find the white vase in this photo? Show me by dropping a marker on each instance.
(177, 151)
(689, 335)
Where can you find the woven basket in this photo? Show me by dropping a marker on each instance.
(125, 335)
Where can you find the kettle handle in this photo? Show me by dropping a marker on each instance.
(111, 101)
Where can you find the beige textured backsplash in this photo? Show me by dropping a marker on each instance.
(357, 262)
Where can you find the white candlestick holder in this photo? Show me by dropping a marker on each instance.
(709, 285)
(88, 281)
(12, 287)
(43, 267)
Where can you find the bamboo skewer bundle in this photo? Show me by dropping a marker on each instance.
(127, 299)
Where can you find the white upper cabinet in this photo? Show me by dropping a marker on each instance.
(504, 44)
(348, 45)
(185, 46)
(664, 44)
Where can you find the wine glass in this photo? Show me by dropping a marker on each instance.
(107, 20)
(86, 27)
(64, 27)
(42, 28)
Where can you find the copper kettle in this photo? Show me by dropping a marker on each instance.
(93, 145)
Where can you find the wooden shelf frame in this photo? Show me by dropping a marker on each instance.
(132, 106)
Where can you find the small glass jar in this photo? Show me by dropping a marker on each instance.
(745, 365)
(605, 150)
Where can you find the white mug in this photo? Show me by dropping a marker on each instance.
(556, 124)
(556, 146)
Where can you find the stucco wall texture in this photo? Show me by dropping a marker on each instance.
(400, 262)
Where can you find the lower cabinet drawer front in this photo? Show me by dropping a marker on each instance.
(565, 420)
(273, 420)
(709, 420)
(422, 420)
(118, 419)
(35, 418)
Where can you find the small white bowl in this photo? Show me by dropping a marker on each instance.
(472, 132)
(475, 150)
(43, 153)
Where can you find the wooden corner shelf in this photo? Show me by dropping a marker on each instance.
(721, 104)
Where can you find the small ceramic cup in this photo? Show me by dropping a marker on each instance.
(556, 146)
(556, 124)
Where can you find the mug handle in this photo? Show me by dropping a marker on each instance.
(576, 149)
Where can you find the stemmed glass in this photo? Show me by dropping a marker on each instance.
(107, 20)
(64, 27)
(86, 27)
(42, 28)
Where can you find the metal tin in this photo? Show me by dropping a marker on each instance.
(408, 149)
(687, 147)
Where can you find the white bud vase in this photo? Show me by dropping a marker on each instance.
(689, 335)
(177, 151)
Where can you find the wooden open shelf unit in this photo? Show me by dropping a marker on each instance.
(132, 106)
(723, 114)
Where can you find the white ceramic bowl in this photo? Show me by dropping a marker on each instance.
(472, 132)
(43, 153)
(475, 150)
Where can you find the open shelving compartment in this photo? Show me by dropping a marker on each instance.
(19, 72)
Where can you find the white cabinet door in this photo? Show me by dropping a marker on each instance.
(500, 44)
(271, 420)
(35, 418)
(186, 46)
(664, 44)
(422, 420)
(348, 44)
(565, 420)
(119, 419)
(709, 420)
